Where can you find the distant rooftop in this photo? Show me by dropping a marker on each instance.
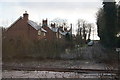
(119, 3)
(108, 0)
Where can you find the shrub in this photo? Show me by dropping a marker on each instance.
(42, 49)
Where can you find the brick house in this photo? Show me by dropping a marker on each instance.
(23, 28)
(54, 32)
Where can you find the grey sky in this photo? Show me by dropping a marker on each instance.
(71, 10)
(41, 10)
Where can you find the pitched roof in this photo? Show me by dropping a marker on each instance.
(14, 23)
(36, 26)
(108, 0)
(63, 33)
(54, 29)
(43, 30)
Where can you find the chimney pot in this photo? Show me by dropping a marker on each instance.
(25, 16)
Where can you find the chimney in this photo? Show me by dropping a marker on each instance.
(65, 29)
(53, 25)
(44, 23)
(25, 16)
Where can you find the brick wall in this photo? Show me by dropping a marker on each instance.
(21, 30)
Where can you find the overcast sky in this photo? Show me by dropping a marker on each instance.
(10, 10)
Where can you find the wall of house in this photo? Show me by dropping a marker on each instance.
(41, 35)
(50, 35)
(33, 33)
(21, 30)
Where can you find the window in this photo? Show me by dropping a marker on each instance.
(44, 34)
(39, 32)
(60, 36)
(57, 35)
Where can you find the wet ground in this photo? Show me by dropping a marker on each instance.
(85, 64)
(90, 62)
(50, 74)
(82, 64)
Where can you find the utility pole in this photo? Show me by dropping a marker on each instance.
(93, 33)
(71, 31)
(118, 53)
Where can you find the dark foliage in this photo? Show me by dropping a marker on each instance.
(42, 49)
(107, 24)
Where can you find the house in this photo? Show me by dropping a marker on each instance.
(54, 32)
(23, 28)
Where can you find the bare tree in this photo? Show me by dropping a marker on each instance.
(84, 27)
(83, 30)
(89, 30)
(60, 22)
